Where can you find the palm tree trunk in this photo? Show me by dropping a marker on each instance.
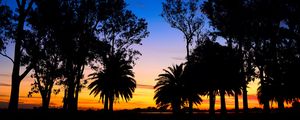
(176, 106)
(266, 106)
(212, 99)
(106, 103)
(71, 85)
(245, 97)
(78, 77)
(244, 89)
(65, 100)
(70, 97)
(190, 107)
(223, 104)
(280, 103)
(77, 93)
(111, 103)
(236, 101)
(173, 106)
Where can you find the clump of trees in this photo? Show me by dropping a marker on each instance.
(58, 39)
(263, 31)
(121, 31)
(185, 16)
(262, 42)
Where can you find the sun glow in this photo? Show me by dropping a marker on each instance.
(142, 97)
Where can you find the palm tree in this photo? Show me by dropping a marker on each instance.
(172, 90)
(193, 88)
(184, 16)
(168, 88)
(115, 81)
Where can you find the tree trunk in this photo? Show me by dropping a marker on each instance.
(236, 101)
(45, 102)
(266, 106)
(65, 99)
(212, 99)
(70, 97)
(71, 86)
(78, 78)
(175, 108)
(16, 79)
(111, 103)
(244, 89)
(43, 94)
(245, 97)
(190, 107)
(48, 92)
(187, 50)
(76, 98)
(280, 104)
(106, 103)
(223, 103)
(14, 95)
(188, 60)
(77, 93)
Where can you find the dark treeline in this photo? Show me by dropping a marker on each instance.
(57, 39)
(262, 42)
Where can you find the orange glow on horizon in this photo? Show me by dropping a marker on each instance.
(142, 98)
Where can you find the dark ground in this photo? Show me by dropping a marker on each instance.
(138, 115)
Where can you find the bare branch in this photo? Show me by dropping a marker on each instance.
(28, 69)
(5, 55)
(18, 3)
(29, 7)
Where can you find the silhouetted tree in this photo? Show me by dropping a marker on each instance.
(23, 8)
(5, 28)
(266, 33)
(289, 50)
(217, 67)
(46, 65)
(184, 16)
(73, 25)
(230, 19)
(192, 86)
(121, 30)
(115, 81)
(272, 44)
(169, 88)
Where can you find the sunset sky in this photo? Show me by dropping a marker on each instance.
(164, 47)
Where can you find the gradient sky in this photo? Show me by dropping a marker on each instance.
(164, 47)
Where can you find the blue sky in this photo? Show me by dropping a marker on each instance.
(164, 43)
(164, 47)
